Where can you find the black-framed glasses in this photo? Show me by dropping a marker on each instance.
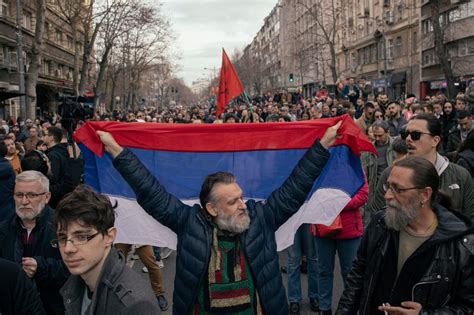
(76, 240)
(395, 189)
(415, 135)
(28, 195)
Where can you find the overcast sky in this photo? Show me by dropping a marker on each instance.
(205, 26)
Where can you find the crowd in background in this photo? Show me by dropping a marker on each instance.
(44, 144)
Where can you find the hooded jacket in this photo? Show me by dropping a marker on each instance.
(194, 230)
(439, 274)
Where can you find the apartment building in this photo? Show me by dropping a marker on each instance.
(457, 22)
(379, 40)
(55, 78)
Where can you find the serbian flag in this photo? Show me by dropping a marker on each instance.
(229, 84)
(261, 156)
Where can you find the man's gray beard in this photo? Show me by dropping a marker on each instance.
(233, 223)
(397, 217)
(31, 214)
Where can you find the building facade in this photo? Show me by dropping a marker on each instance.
(457, 22)
(57, 64)
(379, 40)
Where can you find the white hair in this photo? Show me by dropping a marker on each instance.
(33, 176)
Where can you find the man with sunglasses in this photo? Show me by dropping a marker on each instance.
(417, 256)
(100, 281)
(25, 239)
(423, 136)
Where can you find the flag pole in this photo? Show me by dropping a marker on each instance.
(250, 106)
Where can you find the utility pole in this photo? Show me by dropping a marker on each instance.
(19, 53)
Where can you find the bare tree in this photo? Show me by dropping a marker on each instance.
(440, 48)
(35, 55)
(74, 12)
(324, 13)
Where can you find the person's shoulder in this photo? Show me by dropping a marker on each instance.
(457, 170)
(137, 288)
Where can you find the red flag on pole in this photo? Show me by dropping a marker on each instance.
(229, 84)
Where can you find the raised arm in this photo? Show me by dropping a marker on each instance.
(287, 199)
(151, 195)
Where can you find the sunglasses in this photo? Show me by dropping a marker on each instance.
(415, 135)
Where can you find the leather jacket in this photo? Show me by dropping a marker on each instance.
(439, 274)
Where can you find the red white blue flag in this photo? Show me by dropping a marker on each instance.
(261, 156)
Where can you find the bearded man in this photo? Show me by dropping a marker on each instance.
(226, 256)
(417, 256)
(25, 239)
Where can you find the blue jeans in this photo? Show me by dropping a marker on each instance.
(303, 239)
(347, 252)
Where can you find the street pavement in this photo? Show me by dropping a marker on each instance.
(169, 272)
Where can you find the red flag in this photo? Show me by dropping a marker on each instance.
(229, 84)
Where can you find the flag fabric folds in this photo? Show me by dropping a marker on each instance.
(229, 84)
(260, 155)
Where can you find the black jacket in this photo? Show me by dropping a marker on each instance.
(7, 185)
(466, 160)
(17, 294)
(194, 230)
(51, 273)
(439, 274)
(58, 156)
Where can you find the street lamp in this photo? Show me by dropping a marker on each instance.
(380, 35)
(213, 72)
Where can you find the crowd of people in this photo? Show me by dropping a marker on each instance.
(405, 241)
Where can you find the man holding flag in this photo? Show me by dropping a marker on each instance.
(226, 257)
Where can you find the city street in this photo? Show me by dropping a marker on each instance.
(169, 272)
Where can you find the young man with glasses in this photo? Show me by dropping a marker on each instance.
(25, 239)
(416, 256)
(423, 136)
(100, 283)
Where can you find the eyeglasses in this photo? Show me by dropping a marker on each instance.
(76, 240)
(415, 135)
(395, 189)
(28, 195)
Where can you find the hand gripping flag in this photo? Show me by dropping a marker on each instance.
(229, 84)
(261, 156)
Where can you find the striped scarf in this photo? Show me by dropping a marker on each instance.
(230, 288)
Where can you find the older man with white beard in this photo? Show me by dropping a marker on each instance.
(25, 239)
(417, 256)
(226, 256)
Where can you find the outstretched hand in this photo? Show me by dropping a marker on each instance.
(331, 135)
(109, 142)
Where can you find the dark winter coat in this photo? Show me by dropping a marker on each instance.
(466, 160)
(439, 274)
(51, 273)
(7, 185)
(17, 294)
(194, 230)
(119, 290)
(58, 156)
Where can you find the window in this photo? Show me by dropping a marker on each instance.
(27, 17)
(427, 26)
(398, 49)
(59, 37)
(390, 49)
(466, 47)
(3, 8)
(2, 55)
(354, 60)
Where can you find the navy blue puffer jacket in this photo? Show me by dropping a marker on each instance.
(194, 229)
